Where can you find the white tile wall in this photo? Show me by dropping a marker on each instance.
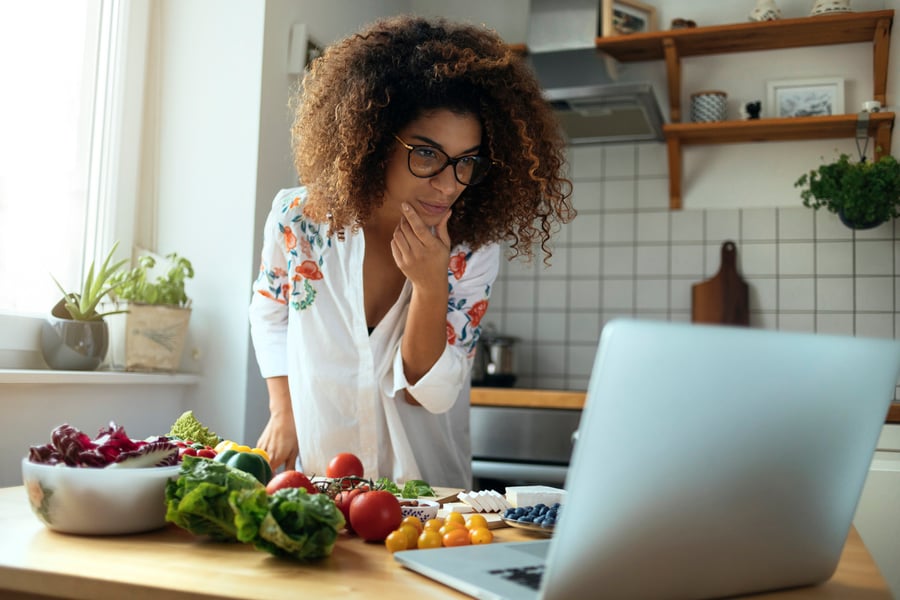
(627, 254)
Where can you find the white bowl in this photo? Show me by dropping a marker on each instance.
(426, 509)
(98, 501)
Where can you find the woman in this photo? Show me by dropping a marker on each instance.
(420, 145)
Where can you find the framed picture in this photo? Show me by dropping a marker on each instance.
(805, 97)
(621, 17)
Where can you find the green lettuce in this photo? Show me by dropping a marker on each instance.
(198, 500)
(229, 505)
(296, 524)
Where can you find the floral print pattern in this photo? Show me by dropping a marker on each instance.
(468, 334)
(39, 498)
(303, 243)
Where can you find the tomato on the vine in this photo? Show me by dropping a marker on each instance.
(290, 479)
(374, 514)
(343, 500)
(344, 464)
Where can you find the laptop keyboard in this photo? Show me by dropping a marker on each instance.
(527, 576)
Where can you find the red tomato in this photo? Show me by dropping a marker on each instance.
(375, 514)
(344, 465)
(343, 500)
(290, 479)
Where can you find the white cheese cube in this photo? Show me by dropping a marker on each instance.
(530, 495)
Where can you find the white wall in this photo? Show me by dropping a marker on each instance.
(200, 181)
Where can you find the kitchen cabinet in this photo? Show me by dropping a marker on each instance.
(878, 510)
(520, 397)
(673, 45)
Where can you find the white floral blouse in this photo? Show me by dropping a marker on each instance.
(308, 322)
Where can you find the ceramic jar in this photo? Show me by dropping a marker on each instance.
(709, 106)
(824, 7)
(73, 345)
(765, 10)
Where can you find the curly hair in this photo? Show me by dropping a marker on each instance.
(371, 84)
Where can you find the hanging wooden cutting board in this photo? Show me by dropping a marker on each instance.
(724, 298)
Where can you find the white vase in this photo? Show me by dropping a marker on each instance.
(824, 7)
(765, 10)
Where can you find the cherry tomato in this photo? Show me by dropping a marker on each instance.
(456, 537)
(476, 520)
(375, 514)
(450, 526)
(481, 535)
(290, 479)
(434, 524)
(396, 541)
(343, 500)
(344, 465)
(455, 517)
(414, 521)
(412, 535)
(429, 538)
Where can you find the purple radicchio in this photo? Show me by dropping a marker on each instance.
(111, 446)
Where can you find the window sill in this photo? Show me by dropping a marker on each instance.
(53, 377)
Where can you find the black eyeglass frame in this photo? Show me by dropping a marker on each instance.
(450, 161)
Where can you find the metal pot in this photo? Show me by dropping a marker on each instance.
(494, 360)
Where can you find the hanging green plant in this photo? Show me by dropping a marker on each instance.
(863, 194)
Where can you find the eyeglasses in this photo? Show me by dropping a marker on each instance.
(426, 161)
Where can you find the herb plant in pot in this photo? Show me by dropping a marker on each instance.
(151, 336)
(75, 336)
(863, 194)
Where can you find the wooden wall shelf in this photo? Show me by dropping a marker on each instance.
(671, 46)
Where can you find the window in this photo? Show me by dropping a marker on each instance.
(62, 115)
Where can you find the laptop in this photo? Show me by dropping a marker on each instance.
(711, 461)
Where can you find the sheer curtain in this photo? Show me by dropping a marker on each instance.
(70, 116)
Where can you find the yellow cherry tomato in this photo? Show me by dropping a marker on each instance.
(476, 520)
(456, 537)
(429, 538)
(412, 535)
(481, 535)
(449, 526)
(434, 524)
(396, 541)
(415, 522)
(455, 517)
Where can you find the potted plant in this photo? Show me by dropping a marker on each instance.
(863, 194)
(75, 335)
(153, 333)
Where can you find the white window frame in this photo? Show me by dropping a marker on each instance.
(114, 168)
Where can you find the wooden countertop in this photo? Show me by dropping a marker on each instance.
(173, 564)
(520, 397)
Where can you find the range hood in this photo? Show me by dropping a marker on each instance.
(596, 98)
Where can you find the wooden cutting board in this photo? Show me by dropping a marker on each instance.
(724, 298)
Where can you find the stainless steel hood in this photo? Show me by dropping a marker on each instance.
(597, 99)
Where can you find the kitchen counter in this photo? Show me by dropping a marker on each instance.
(520, 397)
(173, 564)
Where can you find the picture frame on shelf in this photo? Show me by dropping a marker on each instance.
(805, 97)
(623, 17)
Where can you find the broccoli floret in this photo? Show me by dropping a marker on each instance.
(187, 427)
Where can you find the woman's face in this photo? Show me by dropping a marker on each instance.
(452, 133)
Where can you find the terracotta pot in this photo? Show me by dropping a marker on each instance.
(71, 345)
